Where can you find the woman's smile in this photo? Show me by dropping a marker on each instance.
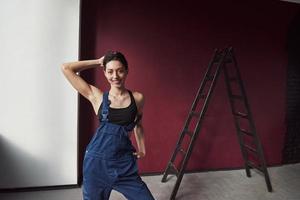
(116, 82)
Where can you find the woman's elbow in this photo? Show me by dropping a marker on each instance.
(64, 67)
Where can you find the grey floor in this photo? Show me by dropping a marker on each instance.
(217, 185)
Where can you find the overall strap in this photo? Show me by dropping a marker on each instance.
(105, 107)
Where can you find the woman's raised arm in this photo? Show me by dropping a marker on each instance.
(71, 69)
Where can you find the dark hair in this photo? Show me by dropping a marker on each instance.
(115, 55)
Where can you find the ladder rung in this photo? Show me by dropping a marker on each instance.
(174, 169)
(182, 151)
(250, 148)
(251, 164)
(237, 97)
(209, 78)
(190, 133)
(226, 59)
(202, 96)
(246, 132)
(217, 59)
(244, 115)
(195, 114)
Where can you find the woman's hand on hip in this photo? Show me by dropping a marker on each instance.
(139, 154)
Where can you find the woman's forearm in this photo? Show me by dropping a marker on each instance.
(81, 65)
(140, 140)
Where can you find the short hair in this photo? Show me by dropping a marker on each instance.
(114, 55)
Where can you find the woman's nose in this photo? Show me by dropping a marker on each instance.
(115, 75)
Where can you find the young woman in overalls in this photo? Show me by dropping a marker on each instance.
(110, 160)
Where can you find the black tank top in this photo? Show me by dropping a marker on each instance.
(121, 116)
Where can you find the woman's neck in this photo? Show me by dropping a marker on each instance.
(117, 91)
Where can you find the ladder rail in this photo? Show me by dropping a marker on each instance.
(236, 121)
(198, 127)
(252, 124)
(196, 100)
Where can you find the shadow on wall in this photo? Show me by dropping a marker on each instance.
(17, 167)
(291, 152)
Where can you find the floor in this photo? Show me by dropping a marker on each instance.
(216, 185)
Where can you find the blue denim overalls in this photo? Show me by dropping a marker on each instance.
(109, 162)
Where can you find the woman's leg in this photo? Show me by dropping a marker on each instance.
(92, 192)
(133, 188)
(128, 182)
(96, 184)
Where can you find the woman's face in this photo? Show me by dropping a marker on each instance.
(115, 73)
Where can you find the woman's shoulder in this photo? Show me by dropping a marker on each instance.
(139, 98)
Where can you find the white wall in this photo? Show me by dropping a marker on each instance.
(38, 107)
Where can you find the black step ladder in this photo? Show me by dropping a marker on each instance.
(249, 142)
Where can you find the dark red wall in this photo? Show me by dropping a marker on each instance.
(168, 46)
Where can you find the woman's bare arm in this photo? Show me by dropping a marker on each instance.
(139, 129)
(71, 69)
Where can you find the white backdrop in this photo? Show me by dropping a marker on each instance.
(38, 107)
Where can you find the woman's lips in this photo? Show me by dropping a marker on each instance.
(116, 82)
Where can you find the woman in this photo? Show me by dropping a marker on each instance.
(110, 159)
